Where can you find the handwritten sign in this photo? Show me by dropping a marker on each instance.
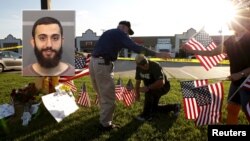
(59, 105)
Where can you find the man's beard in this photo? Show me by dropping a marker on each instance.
(48, 62)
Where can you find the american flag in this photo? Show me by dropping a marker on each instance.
(84, 97)
(248, 110)
(70, 84)
(87, 61)
(68, 80)
(202, 41)
(79, 62)
(246, 84)
(189, 102)
(81, 68)
(119, 90)
(209, 100)
(82, 61)
(129, 94)
(96, 99)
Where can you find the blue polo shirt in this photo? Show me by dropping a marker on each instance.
(112, 41)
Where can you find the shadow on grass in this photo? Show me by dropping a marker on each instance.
(163, 122)
(84, 130)
(125, 132)
(45, 128)
(11, 128)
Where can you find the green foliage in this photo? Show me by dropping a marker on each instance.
(83, 124)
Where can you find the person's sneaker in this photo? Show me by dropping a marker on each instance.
(110, 127)
(177, 110)
(142, 118)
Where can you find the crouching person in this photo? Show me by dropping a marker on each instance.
(155, 86)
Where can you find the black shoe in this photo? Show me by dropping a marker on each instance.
(144, 118)
(110, 127)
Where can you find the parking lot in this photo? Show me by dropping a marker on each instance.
(180, 71)
(177, 70)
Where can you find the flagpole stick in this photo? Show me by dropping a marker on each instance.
(219, 79)
(238, 88)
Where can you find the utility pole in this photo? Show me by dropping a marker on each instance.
(47, 83)
(45, 4)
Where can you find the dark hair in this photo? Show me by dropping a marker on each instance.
(46, 21)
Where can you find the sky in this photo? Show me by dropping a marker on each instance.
(147, 17)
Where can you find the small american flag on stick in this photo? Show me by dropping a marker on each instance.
(84, 97)
(129, 94)
(209, 100)
(190, 104)
(119, 90)
(202, 41)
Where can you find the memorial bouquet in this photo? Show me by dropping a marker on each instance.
(26, 102)
(25, 96)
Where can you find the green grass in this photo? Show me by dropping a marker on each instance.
(83, 124)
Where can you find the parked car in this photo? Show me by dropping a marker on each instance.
(10, 60)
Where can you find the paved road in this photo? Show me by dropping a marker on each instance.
(176, 70)
(179, 71)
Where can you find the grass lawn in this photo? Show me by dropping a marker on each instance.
(83, 124)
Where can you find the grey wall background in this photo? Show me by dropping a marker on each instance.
(67, 19)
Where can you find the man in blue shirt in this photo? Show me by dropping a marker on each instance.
(101, 67)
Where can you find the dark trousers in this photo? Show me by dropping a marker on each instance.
(152, 98)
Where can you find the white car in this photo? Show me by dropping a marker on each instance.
(10, 60)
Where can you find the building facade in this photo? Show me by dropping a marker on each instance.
(87, 41)
(11, 41)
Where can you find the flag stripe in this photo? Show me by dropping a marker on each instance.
(129, 97)
(191, 109)
(78, 74)
(84, 99)
(247, 83)
(119, 90)
(248, 109)
(97, 99)
(70, 84)
(202, 41)
(211, 112)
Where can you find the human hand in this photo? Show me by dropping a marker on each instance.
(144, 89)
(187, 48)
(235, 76)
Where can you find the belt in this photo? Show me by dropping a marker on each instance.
(106, 61)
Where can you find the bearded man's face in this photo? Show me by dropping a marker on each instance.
(48, 45)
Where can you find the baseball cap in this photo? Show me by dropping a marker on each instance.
(140, 59)
(127, 23)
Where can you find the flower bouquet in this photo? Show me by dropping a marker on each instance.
(25, 101)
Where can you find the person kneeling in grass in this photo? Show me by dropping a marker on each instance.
(155, 86)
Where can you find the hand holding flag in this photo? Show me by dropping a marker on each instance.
(203, 42)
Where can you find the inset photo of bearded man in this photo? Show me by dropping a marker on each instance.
(48, 43)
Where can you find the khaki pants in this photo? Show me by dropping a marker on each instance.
(102, 77)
